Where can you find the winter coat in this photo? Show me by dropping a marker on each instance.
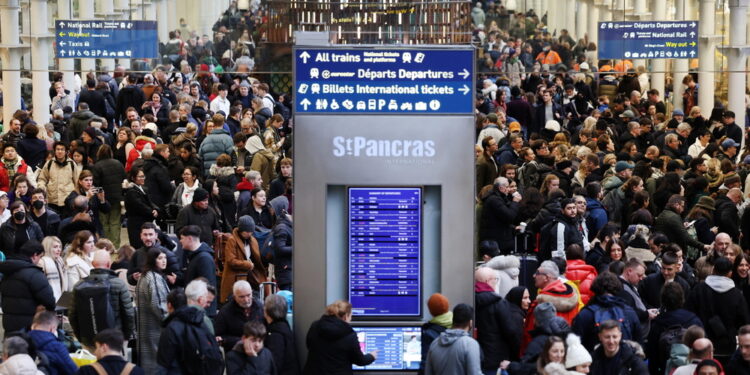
(138, 210)
(597, 217)
(666, 320)
(109, 174)
(497, 338)
(277, 187)
(239, 363)
(527, 363)
(19, 364)
(151, 294)
(486, 172)
(625, 362)
(727, 217)
(23, 287)
(333, 348)
(119, 298)
(56, 274)
(217, 143)
(138, 261)
(263, 160)
(507, 268)
(585, 324)
(549, 211)
(561, 233)
(498, 216)
(95, 100)
(159, 185)
(58, 179)
(134, 155)
(280, 341)
(207, 220)
(283, 233)
(670, 223)
(8, 234)
(650, 288)
(58, 358)
(738, 365)
(227, 181)
(201, 264)
(564, 297)
(172, 343)
(722, 309)
(454, 352)
(5, 180)
(583, 276)
(237, 266)
(77, 268)
(232, 318)
(33, 151)
(79, 121)
(129, 96)
(112, 364)
(507, 155)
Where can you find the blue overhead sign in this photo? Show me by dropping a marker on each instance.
(106, 39)
(648, 40)
(384, 80)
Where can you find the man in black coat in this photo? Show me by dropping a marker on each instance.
(499, 212)
(650, 287)
(93, 98)
(24, 287)
(739, 364)
(499, 341)
(614, 356)
(158, 183)
(242, 308)
(720, 306)
(149, 237)
(200, 214)
(131, 96)
(726, 215)
(200, 260)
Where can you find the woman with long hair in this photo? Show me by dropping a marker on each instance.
(183, 194)
(670, 185)
(550, 182)
(78, 261)
(259, 209)
(741, 274)
(151, 294)
(53, 265)
(702, 218)
(553, 352)
(124, 144)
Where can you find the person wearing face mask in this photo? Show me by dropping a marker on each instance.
(48, 220)
(18, 230)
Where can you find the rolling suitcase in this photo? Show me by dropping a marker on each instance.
(529, 263)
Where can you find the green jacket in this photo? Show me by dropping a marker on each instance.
(671, 224)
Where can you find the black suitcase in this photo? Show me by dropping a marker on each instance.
(529, 263)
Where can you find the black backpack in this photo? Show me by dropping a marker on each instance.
(201, 353)
(670, 336)
(93, 308)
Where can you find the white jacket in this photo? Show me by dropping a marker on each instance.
(695, 149)
(77, 268)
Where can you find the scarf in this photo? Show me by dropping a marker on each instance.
(445, 320)
(187, 193)
(10, 166)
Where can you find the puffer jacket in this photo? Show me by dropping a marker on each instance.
(8, 234)
(498, 340)
(564, 297)
(24, 287)
(55, 351)
(583, 276)
(217, 143)
(556, 326)
(135, 153)
(119, 298)
(109, 174)
(159, 185)
(283, 233)
(58, 179)
(262, 160)
(507, 268)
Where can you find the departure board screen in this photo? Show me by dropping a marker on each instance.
(385, 243)
(399, 348)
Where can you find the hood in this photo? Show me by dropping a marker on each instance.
(155, 161)
(202, 249)
(556, 326)
(244, 184)
(504, 263)
(11, 266)
(218, 171)
(20, 364)
(450, 336)
(719, 284)
(254, 144)
(593, 203)
(553, 207)
(142, 140)
(609, 301)
(333, 328)
(486, 298)
(186, 314)
(560, 295)
(83, 115)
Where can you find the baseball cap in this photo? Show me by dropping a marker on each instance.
(729, 142)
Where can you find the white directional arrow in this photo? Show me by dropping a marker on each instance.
(692, 53)
(465, 73)
(305, 103)
(62, 52)
(465, 89)
(692, 24)
(692, 34)
(304, 56)
(62, 44)
(62, 23)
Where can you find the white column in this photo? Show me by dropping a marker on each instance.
(680, 67)
(606, 12)
(658, 66)
(162, 16)
(149, 11)
(736, 59)
(593, 22)
(640, 12)
(65, 12)
(86, 12)
(106, 9)
(173, 21)
(706, 53)
(570, 18)
(581, 22)
(11, 58)
(25, 31)
(537, 6)
(40, 61)
(553, 10)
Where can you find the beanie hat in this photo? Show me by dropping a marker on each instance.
(577, 355)
(438, 304)
(564, 164)
(544, 312)
(246, 224)
(200, 195)
(90, 131)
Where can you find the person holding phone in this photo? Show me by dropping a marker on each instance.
(97, 201)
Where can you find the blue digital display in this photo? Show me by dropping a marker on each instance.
(106, 39)
(384, 80)
(385, 243)
(399, 348)
(648, 40)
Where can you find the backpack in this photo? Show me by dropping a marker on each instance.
(616, 313)
(94, 311)
(201, 353)
(40, 359)
(670, 336)
(265, 242)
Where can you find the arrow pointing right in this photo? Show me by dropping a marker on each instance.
(464, 74)
(464, 89)
(305, 103)
(304, 56)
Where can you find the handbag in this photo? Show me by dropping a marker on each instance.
(83, 357)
